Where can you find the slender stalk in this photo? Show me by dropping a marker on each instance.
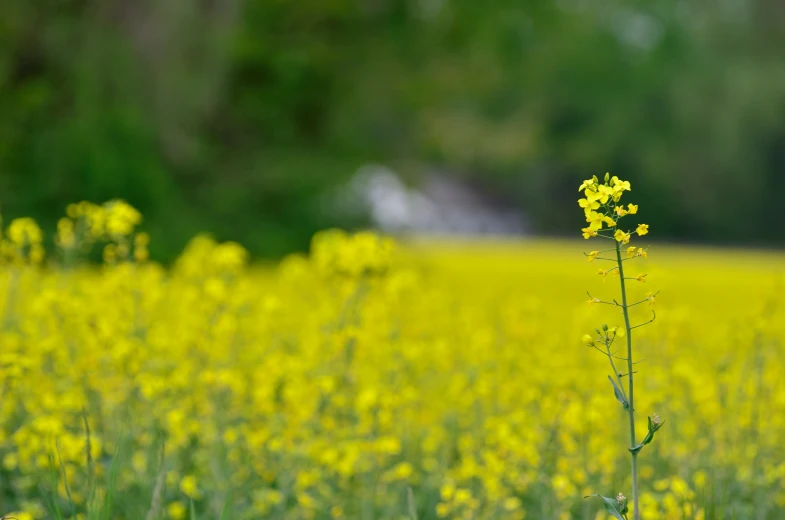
(631, 410)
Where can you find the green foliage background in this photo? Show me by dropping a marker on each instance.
(237, 116)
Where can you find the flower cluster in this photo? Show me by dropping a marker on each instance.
(23, 242)
(603, 210)
(112, 224)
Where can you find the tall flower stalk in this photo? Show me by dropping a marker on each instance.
(604, 211)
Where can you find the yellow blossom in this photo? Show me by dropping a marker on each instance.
(176, 510)
(588, 183)
(622, 185)
(642, 229)
(588, 205)
(189, 487)
(621, 236)
(604, 192)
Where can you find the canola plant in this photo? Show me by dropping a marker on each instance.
(374, 380)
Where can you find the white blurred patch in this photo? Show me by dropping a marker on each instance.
(443, 205)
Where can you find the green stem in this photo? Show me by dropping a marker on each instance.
(616, 373)
(635, 510)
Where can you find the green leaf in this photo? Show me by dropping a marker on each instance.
(623, 509)
(649, 436)
(227, 506)
(611, 505)
(409, 501)
(652, 430)
(619, 395)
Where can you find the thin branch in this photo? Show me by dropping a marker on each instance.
(602, 251)
(597, 300)
(595, 347)
(648, 299)
(616, 372)
(654, 317)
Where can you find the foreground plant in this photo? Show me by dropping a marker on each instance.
(604, 213)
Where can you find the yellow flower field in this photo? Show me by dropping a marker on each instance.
(369, 380)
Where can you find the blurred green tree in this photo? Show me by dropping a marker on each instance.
(238, 116)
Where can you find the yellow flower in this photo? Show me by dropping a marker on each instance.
(642, 229)
(176, 510)
(24, 231)
(463, 496)
(593, 256)
(442, 510)
(605, 192)
(595, 220)
(631, 252)
(592, 195)
(642, 252)
(641, 278)
(620, 211)
(632, 209)
(512, 503)
(602, 272)
(447, 491)
(121, 217)
(188, 486)
(621, 236)
(588, 205)
(587, 339)
(651, 297)
(618, 188)
(588, 183)
(621, 185)
(588, 233)
(19, 515)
